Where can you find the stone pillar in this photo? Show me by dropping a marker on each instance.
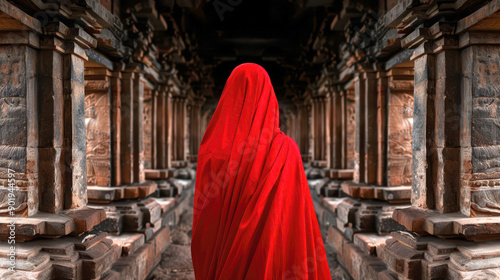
(370, 128)
(75, 191)
(310, 130)
(360, 151)
(98, 116)
(319, 130)
(195, 128)
(50, 126)
(178, 129)
(398, 128)
(455, 137)
(116, 104)
(382, 115)
(19, 145)
(366, 155)
(138, 128)
(169, 120)
(338, 135)
(161, 127)
(336, 132)
(148, 124)
(127, 128)
(349, 128)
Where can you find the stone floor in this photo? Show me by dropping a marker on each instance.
(335, 270)
(176, 263)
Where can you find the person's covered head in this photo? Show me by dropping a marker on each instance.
(247, 116)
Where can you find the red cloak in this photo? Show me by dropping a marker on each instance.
(253, 213)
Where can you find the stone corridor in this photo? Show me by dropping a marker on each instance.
(392, 103)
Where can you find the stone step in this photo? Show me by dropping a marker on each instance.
(52, 225)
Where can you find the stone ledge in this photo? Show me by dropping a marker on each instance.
(429, 257)
(448, 225)
(98, 194)
(178, 164)
(367, 216)
(358, 263)
(331, 189)
(157, 174)
(341, 174)
(50, 225)
(131, 216)
(90, 256)
(400, 194)
(319, 163)
(129, 242)
(85, 257)
(18, 19)
(140, 264)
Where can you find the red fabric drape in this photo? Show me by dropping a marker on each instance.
(253, 213)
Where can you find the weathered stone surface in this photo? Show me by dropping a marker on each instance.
(179, 237)
(128, 242)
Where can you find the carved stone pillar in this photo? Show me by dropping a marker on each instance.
(178, 130)
(42, 104)
(341, 132)
(98, 114)
(399, 125)
(127, 128)
(149, 128)
(161, 127)
(116, 104)
(371, 137)
(19, 144)
(349, 129)
(455, 138)
(169, 120)
(138, 128)
(75, 191)
(319, 130)
(336, 132)
(195, 128)
(360, 152)
(382, 115)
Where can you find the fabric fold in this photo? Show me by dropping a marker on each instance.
(253, 213)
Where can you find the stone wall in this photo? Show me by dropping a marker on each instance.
(422, 199)
(87, 127)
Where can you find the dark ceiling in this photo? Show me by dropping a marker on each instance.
(276, 34)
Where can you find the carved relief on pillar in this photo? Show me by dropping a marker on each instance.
(75, 165)
(481, 92)
(19, 137)
(147, 123)
(350, 135)
(97, 122)
(138, 129)
(399, 127)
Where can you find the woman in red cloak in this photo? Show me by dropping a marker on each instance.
(253, 213)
